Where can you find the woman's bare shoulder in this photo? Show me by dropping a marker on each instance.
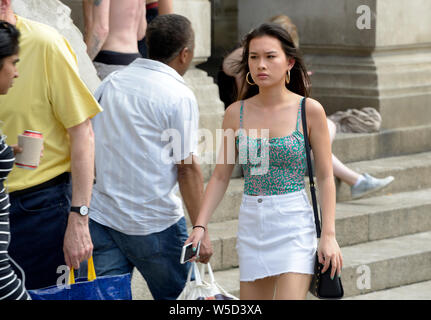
(232, 115)
(314, 108)
(313, 104)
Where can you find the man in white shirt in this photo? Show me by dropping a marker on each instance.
(146, 141)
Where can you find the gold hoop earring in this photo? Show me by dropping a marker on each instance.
(246, 79)
(288, 77)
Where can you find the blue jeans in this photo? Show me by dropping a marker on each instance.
(156, 256)
(38, 222)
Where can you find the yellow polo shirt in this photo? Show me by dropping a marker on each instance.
(48, 97)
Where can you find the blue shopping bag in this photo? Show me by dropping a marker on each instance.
(92, 288)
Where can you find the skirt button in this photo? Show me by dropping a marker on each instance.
(259, 200)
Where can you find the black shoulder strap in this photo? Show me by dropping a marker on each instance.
(310, 169)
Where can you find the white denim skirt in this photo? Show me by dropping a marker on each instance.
(276, 235)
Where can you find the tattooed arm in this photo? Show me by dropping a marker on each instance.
(96, 14)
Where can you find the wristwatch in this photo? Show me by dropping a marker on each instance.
(83, 210)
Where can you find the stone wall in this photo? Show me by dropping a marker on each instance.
(384, 65)
(225, 26)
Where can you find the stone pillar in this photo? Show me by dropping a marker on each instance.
(57, 15)
(225, 26)
(210, 106)
(364, 53)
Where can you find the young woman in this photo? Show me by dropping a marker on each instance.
(230, 82)
(11, 287)
(276, 241)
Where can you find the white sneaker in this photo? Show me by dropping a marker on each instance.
(369, 185)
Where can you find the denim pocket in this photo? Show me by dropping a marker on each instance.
(141, 248)
(48, 199)
(181, 231)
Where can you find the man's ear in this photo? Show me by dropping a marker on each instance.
(184, 54)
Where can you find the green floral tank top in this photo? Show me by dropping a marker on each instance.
(272, 166)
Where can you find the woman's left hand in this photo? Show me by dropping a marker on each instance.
(329, 253)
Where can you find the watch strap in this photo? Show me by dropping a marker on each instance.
(78, 210)
(75, 209)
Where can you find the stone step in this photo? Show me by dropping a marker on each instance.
(353, 147)
(391, 263)
(356, 222)
(417, 291)
(411, 173)
(368, 268)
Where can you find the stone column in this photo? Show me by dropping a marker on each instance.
(210, 106)
(364, 53)
(57, 15)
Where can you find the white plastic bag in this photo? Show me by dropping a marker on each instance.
(202, 290)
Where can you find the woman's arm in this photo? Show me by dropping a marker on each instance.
(329, 251)
(231, 62)
(220, 178)
(230, 65)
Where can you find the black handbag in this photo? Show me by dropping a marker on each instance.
(321, 285)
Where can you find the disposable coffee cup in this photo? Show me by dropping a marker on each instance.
(31, 143)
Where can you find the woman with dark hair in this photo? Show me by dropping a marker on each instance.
(276, 241)
(230, 80)
(11, 287)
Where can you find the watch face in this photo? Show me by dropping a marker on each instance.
(83, 210)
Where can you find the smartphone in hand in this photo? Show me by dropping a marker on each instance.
(187, 253)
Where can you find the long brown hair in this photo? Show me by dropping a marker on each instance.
(299, 79)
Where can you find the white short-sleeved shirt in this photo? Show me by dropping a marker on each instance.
(149, 123)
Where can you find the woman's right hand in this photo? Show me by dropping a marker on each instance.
(198, 234)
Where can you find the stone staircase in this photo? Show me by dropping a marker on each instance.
(385, 238)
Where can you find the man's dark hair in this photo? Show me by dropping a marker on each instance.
(167, 35)
(9, 45)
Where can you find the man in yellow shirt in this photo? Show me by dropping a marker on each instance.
(49, 97)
